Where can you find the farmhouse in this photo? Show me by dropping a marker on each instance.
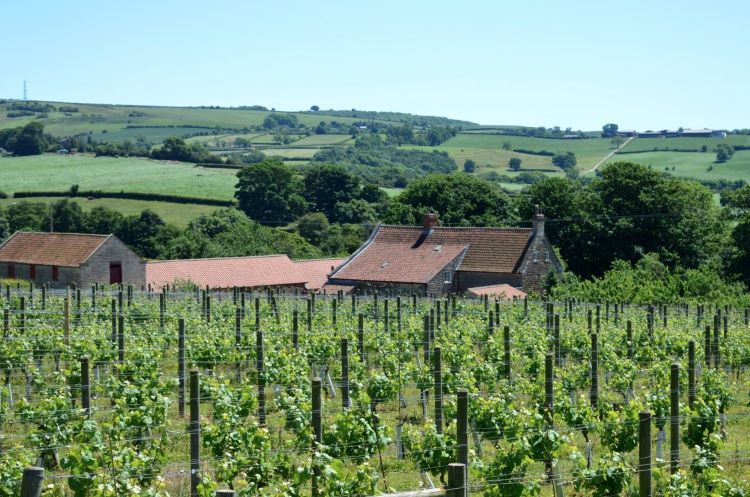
(267, 271)
(433, 259)
(64, 259)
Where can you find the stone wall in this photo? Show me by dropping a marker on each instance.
(66, 275)
(96, 268)
(539, 261)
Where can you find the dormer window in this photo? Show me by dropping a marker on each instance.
(382, 266)
(437, 248)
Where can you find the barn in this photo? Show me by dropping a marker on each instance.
(65, 259)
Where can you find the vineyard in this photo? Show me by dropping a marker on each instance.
(117, 392)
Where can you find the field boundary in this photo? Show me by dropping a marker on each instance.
(157, 197)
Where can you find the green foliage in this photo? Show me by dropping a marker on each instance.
(565, 161)
(430, 450)
(514, 164)
(269, 193)
(27, 140)
(472, 202)
(327, 185)
(470, 166)
(506, 474)
(175, 148)
(355, 434)
(609, 479)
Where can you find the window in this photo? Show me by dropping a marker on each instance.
(55, 273)
(546, 256)
(447, 276)
(32, 271)
(11, 270)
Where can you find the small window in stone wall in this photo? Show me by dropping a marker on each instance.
(535, 257)
(447, 276)
(546, 256)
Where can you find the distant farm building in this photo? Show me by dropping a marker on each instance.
(433, 259)
(64, 259)
(698, 133)
(267, 271)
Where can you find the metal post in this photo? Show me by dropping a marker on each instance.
(462, 425)
(181, 368)
(438, 374)
(31, 482)
(506, 353)
(317, 424)
(261, 378)
(85, 387)
(345, 401)
(644, 454)
(195, 433)
(691, 373)
(674, 429)
(594, 371)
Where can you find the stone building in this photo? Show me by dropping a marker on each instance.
(433, 259)
(64, 259)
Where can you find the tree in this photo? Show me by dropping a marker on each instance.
(514, 164)
(459, 199)
(356, 211)
(506, 145)
(373, 194)
(724, 152)
(609, 130)
(327, 185)
(470, 166)
(32, 216)
(29, 140)
(103, 221)
(269, 193)
(145, 233)
(565, 161)
(315, 108)
(313, 226)
(67, 217)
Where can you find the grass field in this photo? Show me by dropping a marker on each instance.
(588, 152)
(302, 153)
(649, 144)
(55, 172)
(178, 214)
(693, 164)
(494, 159)
(222, 140)
(152, 135)
(315, 140)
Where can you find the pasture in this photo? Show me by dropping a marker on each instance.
(683, 143)
(52, 172)
(588, 151)
(692, 164)
(173, 213)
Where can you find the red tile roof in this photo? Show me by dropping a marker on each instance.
(504, 290)
(226, 272)
(315, 271)
(331, 289)
(411, 254)
(50, 249)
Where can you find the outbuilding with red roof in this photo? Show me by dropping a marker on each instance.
(441, 260)
(63, 259)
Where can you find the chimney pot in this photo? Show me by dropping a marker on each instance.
(430, 221)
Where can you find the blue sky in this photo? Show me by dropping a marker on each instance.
(641, 64)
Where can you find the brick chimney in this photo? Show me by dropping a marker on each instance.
(430, 220)
(537, 221)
